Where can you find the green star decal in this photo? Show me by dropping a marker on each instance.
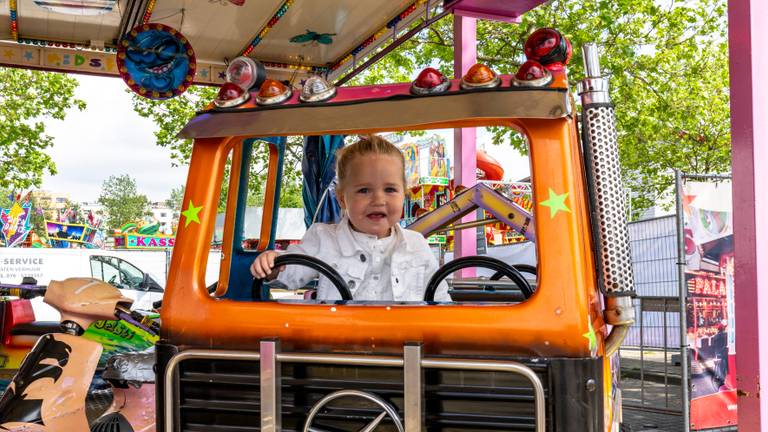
(190, 214)
(591, 336)
(555, 203)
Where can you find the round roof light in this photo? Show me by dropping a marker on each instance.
(430, 81)
(480, 76)
(548, 47)
(230, 95)
(246, 72)
(273, 92)
(317, 89)
(532, 74)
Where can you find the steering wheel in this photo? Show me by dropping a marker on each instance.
(259, 294)
(502, 269)
(522, 268)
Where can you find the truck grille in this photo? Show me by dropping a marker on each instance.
(223, 396)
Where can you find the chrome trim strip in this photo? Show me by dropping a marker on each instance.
(269, 393)
(413, 391)
(399, 112)
(341, 359)
(170, 391)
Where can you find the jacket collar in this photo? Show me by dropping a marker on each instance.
(348, 246)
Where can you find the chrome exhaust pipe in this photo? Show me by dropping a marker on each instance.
(608, 206)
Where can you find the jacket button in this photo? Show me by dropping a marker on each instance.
(362, 257)
(351, 284)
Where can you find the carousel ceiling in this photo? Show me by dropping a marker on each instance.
(289, 36)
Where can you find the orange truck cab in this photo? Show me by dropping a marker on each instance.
(234, 361)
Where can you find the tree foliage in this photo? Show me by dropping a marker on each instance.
(27, 99)
(122, 201)
(175, 198)
(668, 65)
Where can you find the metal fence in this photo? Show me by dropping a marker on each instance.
(654, 260)
(650, 354)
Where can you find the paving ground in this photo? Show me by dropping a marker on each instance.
(651, 392)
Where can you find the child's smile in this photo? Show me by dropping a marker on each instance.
(373, 193)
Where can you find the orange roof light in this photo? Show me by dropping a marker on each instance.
(532, 74)
(273, 92)
(430, 81)
(230, 95)
(480, 76)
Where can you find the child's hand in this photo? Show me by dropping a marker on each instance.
(263, 265)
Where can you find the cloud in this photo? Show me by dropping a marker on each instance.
(108, 138)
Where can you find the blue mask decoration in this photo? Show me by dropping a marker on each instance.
(156, 61)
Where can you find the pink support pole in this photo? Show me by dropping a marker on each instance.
(749, 135)
(464, 140)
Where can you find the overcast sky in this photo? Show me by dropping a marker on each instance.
(109, 138)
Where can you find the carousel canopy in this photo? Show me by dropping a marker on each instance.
(289, 36)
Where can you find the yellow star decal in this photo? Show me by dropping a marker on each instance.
(8, 54)
(15, 211)
(190, 214)
(555, 203)
(591, 336)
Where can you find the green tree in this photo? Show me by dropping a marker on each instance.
(122, 201)
(668, 63)
(27, 99)
(174, 201)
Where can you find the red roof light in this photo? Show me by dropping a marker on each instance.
(532, 74)
(230, 95)
(430, 81)
(548, 47)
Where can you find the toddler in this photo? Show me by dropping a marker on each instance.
(377, 258)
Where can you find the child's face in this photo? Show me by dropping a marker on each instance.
(373, 193)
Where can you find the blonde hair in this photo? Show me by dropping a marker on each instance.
(370, 144)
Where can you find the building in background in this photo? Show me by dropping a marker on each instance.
(50, 202)
(165, 216)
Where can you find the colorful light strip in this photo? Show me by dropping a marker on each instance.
(271, 23)
(14, 20)
(148, 12)
(391, 24)
(43, 43)
(313, 69)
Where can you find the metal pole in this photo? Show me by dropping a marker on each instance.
(642, 350)
(666, 381)
(684, 390)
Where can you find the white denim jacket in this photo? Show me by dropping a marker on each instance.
(412, 262)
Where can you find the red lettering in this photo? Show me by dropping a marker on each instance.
(161, 242)
(140, 241)
(153, 242)
(171, 242)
